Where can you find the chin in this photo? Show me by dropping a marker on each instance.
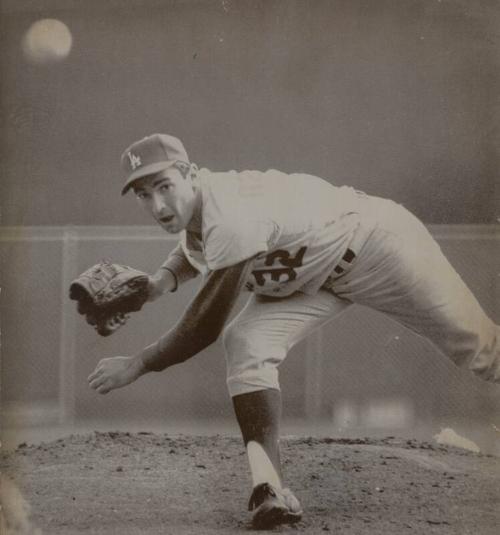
(173, 228)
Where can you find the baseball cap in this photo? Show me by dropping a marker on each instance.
(149, 155)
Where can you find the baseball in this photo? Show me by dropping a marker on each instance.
(47, 41)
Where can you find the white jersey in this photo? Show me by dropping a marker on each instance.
(296, 227)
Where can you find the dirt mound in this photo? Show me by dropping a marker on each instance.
(146, 483)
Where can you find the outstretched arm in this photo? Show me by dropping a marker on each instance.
(202, 322)
(200, 325)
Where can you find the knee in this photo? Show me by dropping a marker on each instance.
(487, 371)
(486, 366)
(486, 363)
(252, 363)
(234, 339)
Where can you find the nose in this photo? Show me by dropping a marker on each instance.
(158, 203)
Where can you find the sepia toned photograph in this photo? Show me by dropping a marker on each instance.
(250, 267)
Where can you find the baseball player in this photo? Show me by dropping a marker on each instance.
(305, 250)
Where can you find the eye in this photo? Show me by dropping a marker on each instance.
(141, 195)
(164, 187)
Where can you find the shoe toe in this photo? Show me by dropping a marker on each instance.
(276, 506)
(268, 516)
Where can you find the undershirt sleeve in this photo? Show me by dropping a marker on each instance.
(179, 266)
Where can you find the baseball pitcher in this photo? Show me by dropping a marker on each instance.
(305, 251)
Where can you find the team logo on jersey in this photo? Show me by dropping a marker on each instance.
(135, 161)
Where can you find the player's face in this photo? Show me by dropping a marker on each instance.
(169, 197)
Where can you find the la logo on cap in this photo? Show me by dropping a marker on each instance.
(135, 161)
(151, 155)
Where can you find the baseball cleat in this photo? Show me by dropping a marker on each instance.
(273, 506)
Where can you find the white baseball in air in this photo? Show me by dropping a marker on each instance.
(47, 41)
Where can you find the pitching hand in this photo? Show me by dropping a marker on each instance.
(115, 372)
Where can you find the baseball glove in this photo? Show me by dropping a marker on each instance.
(107, 292)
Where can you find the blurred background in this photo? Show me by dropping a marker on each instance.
(399, 98)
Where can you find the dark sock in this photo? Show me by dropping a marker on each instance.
(259, 414)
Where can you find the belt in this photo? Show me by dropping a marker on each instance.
(345, 262)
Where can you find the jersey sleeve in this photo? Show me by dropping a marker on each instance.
(232, 242)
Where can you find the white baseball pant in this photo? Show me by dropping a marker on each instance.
(400, 271)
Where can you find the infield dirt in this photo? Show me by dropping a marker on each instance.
(151, 484)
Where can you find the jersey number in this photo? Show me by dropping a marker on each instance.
(286, 263)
